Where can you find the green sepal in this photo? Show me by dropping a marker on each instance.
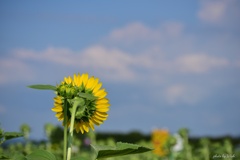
(120, 149)
(41, 155)
(80, 112)
(80, 104)
(88, 96)
(43, 87)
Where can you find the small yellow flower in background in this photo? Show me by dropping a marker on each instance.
(159, 139)
(95, 111)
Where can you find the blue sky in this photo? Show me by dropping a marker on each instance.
(164, 64)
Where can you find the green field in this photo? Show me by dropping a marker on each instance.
(187, 148)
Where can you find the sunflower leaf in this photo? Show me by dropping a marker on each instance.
(80, 158)
(4, 157)
(40, 155)
(120, 149)
(43, 87)
(10, 135)
(18, 156)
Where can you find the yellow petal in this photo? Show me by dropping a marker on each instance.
(57, 109)
(101, 93)
(84, 78)
(102, 114)
(90, 83)
(102, 101)
(91, 124)
(81, 128)
(103, 106)
(59, 115)
(77, 80)
(96, 121)
(102, 109)
(68, 80)
(97, 87)
(57, 106)
(57, 99)
(95, 82)
(76, 126)
(61, 118)
(85, 126)
(100, 118)
(74, 78)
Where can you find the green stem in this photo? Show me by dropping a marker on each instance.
(71, 132)
(188, 150)
(207, 152)
(65, 129)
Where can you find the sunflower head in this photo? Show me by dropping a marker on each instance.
(159, 140)
(91, 97)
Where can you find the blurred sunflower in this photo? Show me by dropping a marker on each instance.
(95, 110)
(159, 140)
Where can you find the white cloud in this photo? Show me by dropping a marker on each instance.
(212, 11)
(133, 32)
(141, 34)
(61, 56)
(199, 63)
(180, 93)
(115, 64)
(173, 28)
(14, 70)
(160, 61)
(154, 56)
(217, 11)
(174, 93)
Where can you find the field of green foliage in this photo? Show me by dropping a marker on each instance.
(165, 146)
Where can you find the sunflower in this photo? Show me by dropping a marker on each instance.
(95, 111)
(159, 140)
